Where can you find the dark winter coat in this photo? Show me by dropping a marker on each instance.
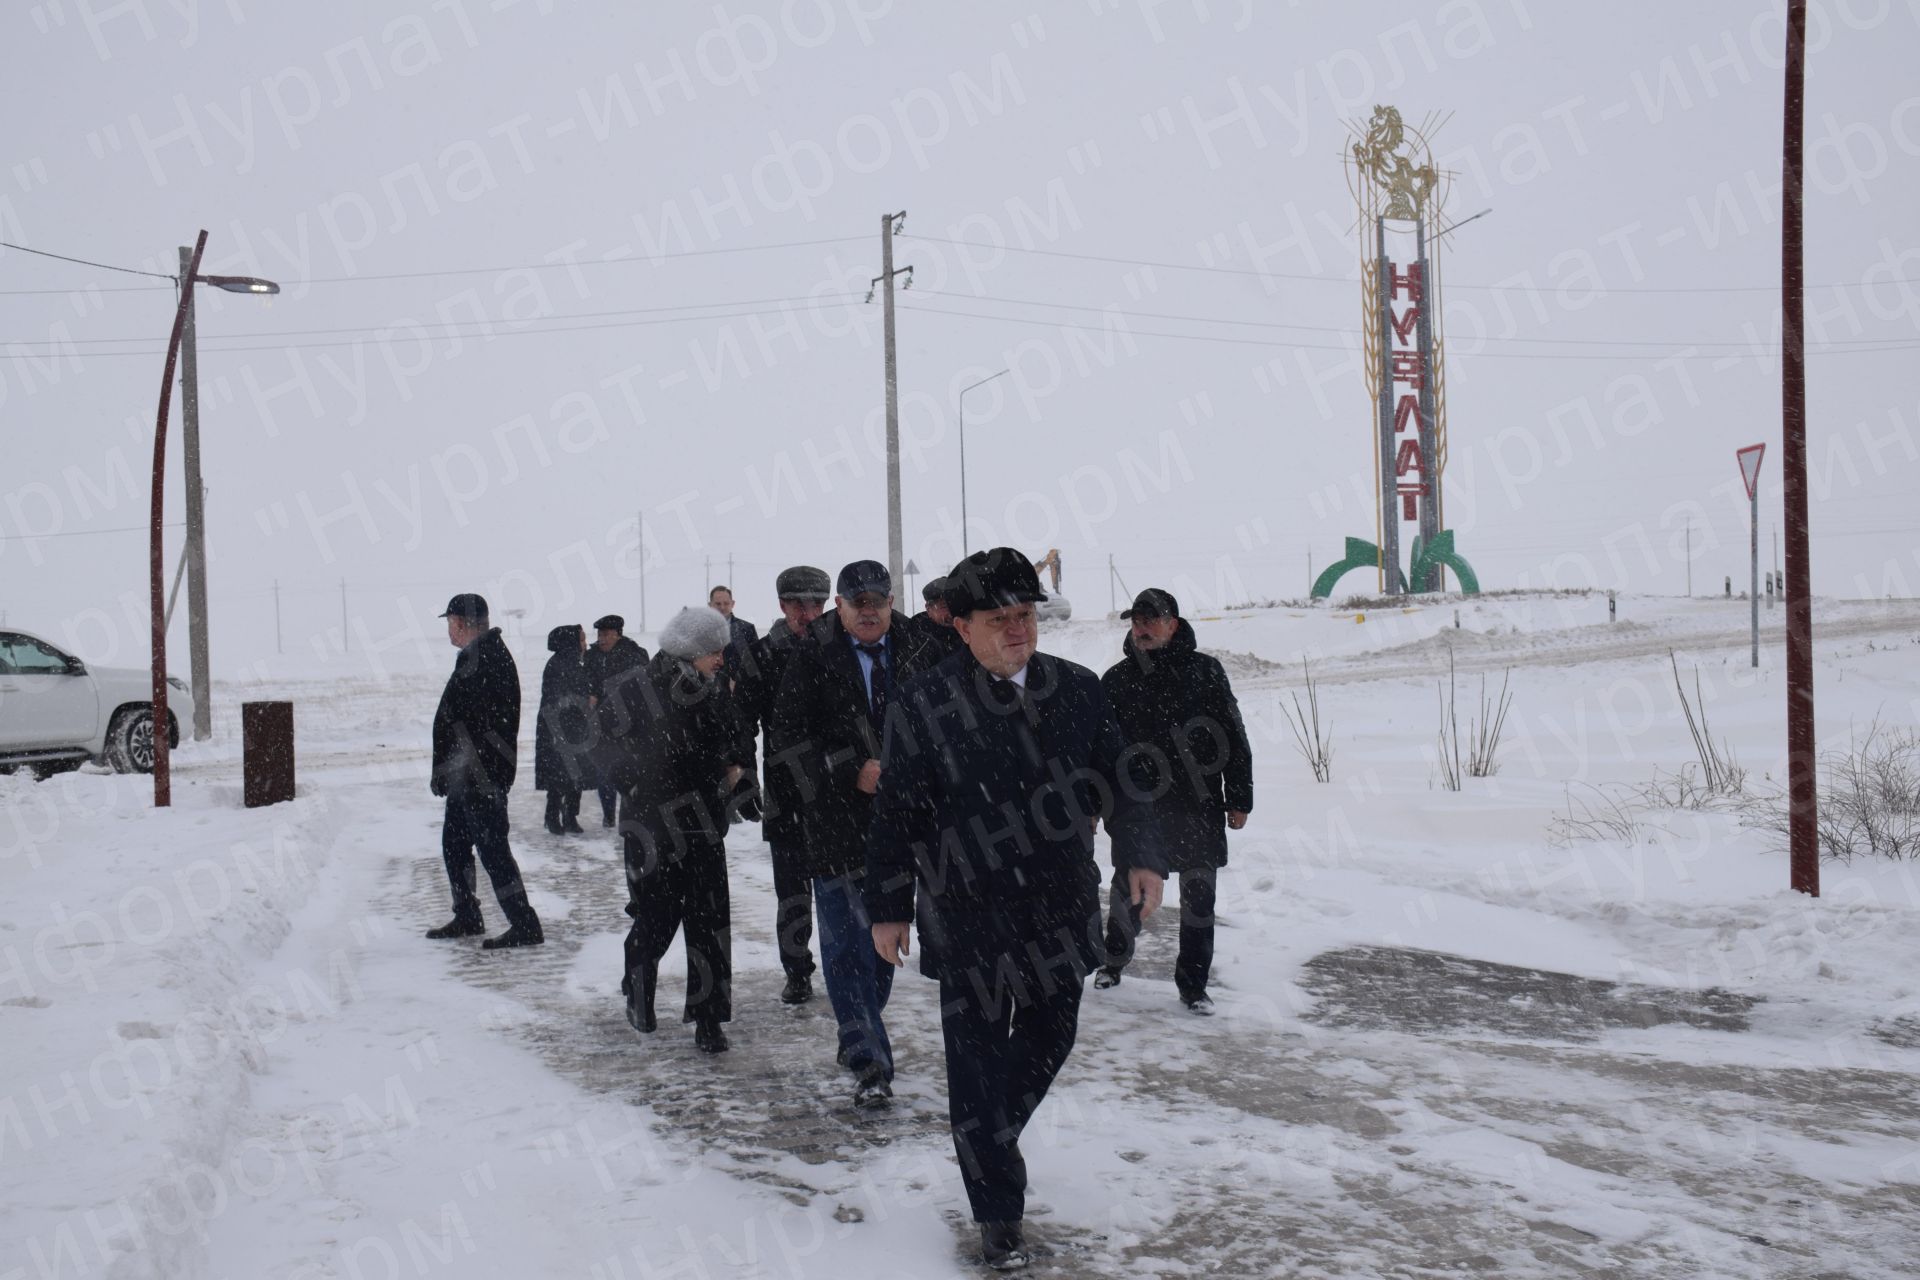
(669, 745)
(606, 665)
(1186, 748)
(986, 805)
(761, 671)
(564, 733)
(942, 638)
(740, 637)
(822, 735)
(476, 727)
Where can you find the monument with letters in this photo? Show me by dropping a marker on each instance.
(1399, 197)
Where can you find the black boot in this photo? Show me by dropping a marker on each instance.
(640, 1015)
(457, 928)
(570, 815)
(709, 1038)
(799, 989)
(1003, 1246)
(553, 813)
(525, 932)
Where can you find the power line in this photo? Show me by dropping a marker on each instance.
(1349, 280)
(1349, 331)
(394, 327)
(568, 266)
(104, 266)
(505, 333)
(84, 533)
(1310, 346)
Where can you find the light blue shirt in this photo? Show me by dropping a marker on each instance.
(866, 661)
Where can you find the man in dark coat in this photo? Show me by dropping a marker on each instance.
(475, 753)
(802, 589)
(829, 721)
(998, 761)
(671, 749)
(740, 633)
(563, 733)
(611, 656)
(1188, 749)
(935, 622)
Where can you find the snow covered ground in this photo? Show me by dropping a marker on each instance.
(1446, 1042)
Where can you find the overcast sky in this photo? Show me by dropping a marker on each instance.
(548, 267)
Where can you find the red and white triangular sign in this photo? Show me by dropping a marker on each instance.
(1750, 465)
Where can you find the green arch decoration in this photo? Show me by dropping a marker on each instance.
(1441, 552)
(1361, 554)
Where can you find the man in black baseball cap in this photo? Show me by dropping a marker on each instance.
(997, 763)
(476, 731)
(1187, 746)
(803, 590)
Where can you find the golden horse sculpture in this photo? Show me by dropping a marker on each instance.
(1407, 185)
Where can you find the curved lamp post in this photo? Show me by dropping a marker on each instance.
(964, 549)
(156, 572)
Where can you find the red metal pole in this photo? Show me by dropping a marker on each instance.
(156, 568)
(1803, 797)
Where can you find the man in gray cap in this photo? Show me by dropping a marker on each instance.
(831, 716)
(476, 733)
(803, 591)
(935, 622)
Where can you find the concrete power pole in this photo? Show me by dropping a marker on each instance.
(277, 647)
(196, 516)
(890, 223)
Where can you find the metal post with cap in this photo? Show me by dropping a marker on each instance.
(1750, 472)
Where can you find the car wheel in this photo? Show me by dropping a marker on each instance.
(130, 741)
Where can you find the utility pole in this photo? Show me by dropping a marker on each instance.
(196, 514)
(344, 633)
(729, 570)
(1689, 557)
(277, 646)
(891, 223)
(708, 584)
(1803, 798)
(640, 549)
(1113, 603)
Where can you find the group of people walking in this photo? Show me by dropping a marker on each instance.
(933, 774)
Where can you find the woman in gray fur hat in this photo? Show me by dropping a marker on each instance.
(676, 763)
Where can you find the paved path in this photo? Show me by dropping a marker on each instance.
(1376, 1131)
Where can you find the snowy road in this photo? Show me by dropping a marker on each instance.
(1260, 1140)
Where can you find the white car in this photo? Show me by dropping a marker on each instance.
(56, 712)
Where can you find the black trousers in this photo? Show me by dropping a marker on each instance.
(562, 807)
(793, 916)
(684, 887)
(479, 822)
(1196, 928)
(1002, 1057)
(609, 797)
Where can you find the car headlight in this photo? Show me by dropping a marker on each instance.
(177, 683)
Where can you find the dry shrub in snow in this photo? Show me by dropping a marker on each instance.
(1869, 798)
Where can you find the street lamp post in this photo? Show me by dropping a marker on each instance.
(156, 572)
(964, 548)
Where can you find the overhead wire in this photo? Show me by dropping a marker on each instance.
(104, 266)
(1349, 280)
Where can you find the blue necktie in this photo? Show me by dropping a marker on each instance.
(876, 687)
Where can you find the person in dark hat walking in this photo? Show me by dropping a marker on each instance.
(673, 751)
(608, 661)
(476, 731)
(802, 589)
(935, 621)
(829, 720)
(1188, 748)
(562, 735)
(998, 762)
